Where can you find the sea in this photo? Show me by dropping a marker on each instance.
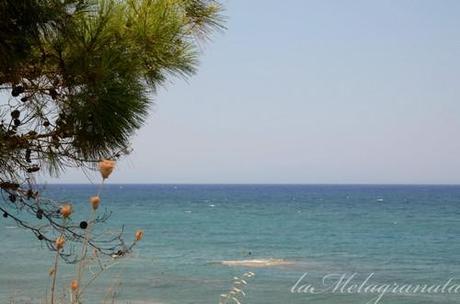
(321, 244)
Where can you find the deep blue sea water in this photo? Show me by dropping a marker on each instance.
(400, 234)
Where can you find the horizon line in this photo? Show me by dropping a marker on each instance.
(262, 184)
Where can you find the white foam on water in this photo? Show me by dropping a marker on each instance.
(258, 262)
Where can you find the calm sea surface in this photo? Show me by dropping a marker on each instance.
(399, 234)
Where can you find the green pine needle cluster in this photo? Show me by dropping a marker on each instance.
(82, 73)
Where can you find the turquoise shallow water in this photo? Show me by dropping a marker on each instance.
(401, 234)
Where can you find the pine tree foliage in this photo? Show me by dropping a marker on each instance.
(77, 76)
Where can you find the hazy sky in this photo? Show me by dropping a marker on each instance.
(312, 92)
